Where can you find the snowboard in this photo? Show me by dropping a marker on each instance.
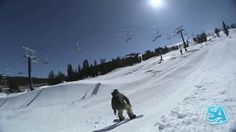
(128, 119)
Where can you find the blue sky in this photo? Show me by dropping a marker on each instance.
(54, 27)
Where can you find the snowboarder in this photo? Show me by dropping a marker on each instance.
(120, 102)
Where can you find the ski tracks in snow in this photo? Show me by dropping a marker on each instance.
(216, 87)
(191, 114)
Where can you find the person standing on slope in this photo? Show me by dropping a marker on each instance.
(120, 102)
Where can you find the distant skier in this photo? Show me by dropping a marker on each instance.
(120, 102)
(181, 51)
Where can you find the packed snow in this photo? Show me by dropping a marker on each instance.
(173, 95)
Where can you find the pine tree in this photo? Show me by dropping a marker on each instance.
(79, 74)
(85, 64)
(51, 78)
(103, 67)
(200, 38)
(95, 68)
(217, 32)
(60, 77)
(70, 73)
(85, 69)
(226, 31)
(233, 26)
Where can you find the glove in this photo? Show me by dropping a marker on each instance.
(114, 112)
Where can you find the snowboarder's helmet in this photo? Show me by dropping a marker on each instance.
(115, 91)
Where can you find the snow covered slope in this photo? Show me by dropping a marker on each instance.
(172, 95)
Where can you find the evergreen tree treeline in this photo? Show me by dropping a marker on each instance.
(56, 79)
(95, 69)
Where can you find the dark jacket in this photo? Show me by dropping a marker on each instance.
(119, 101)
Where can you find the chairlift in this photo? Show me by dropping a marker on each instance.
(128, 37)
(155, 37)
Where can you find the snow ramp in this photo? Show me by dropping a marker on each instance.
(51, 95)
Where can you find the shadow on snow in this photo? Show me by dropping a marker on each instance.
(108, 128)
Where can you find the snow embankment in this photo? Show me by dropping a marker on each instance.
(217, 87)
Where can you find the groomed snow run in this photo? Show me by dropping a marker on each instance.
(172, 95)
